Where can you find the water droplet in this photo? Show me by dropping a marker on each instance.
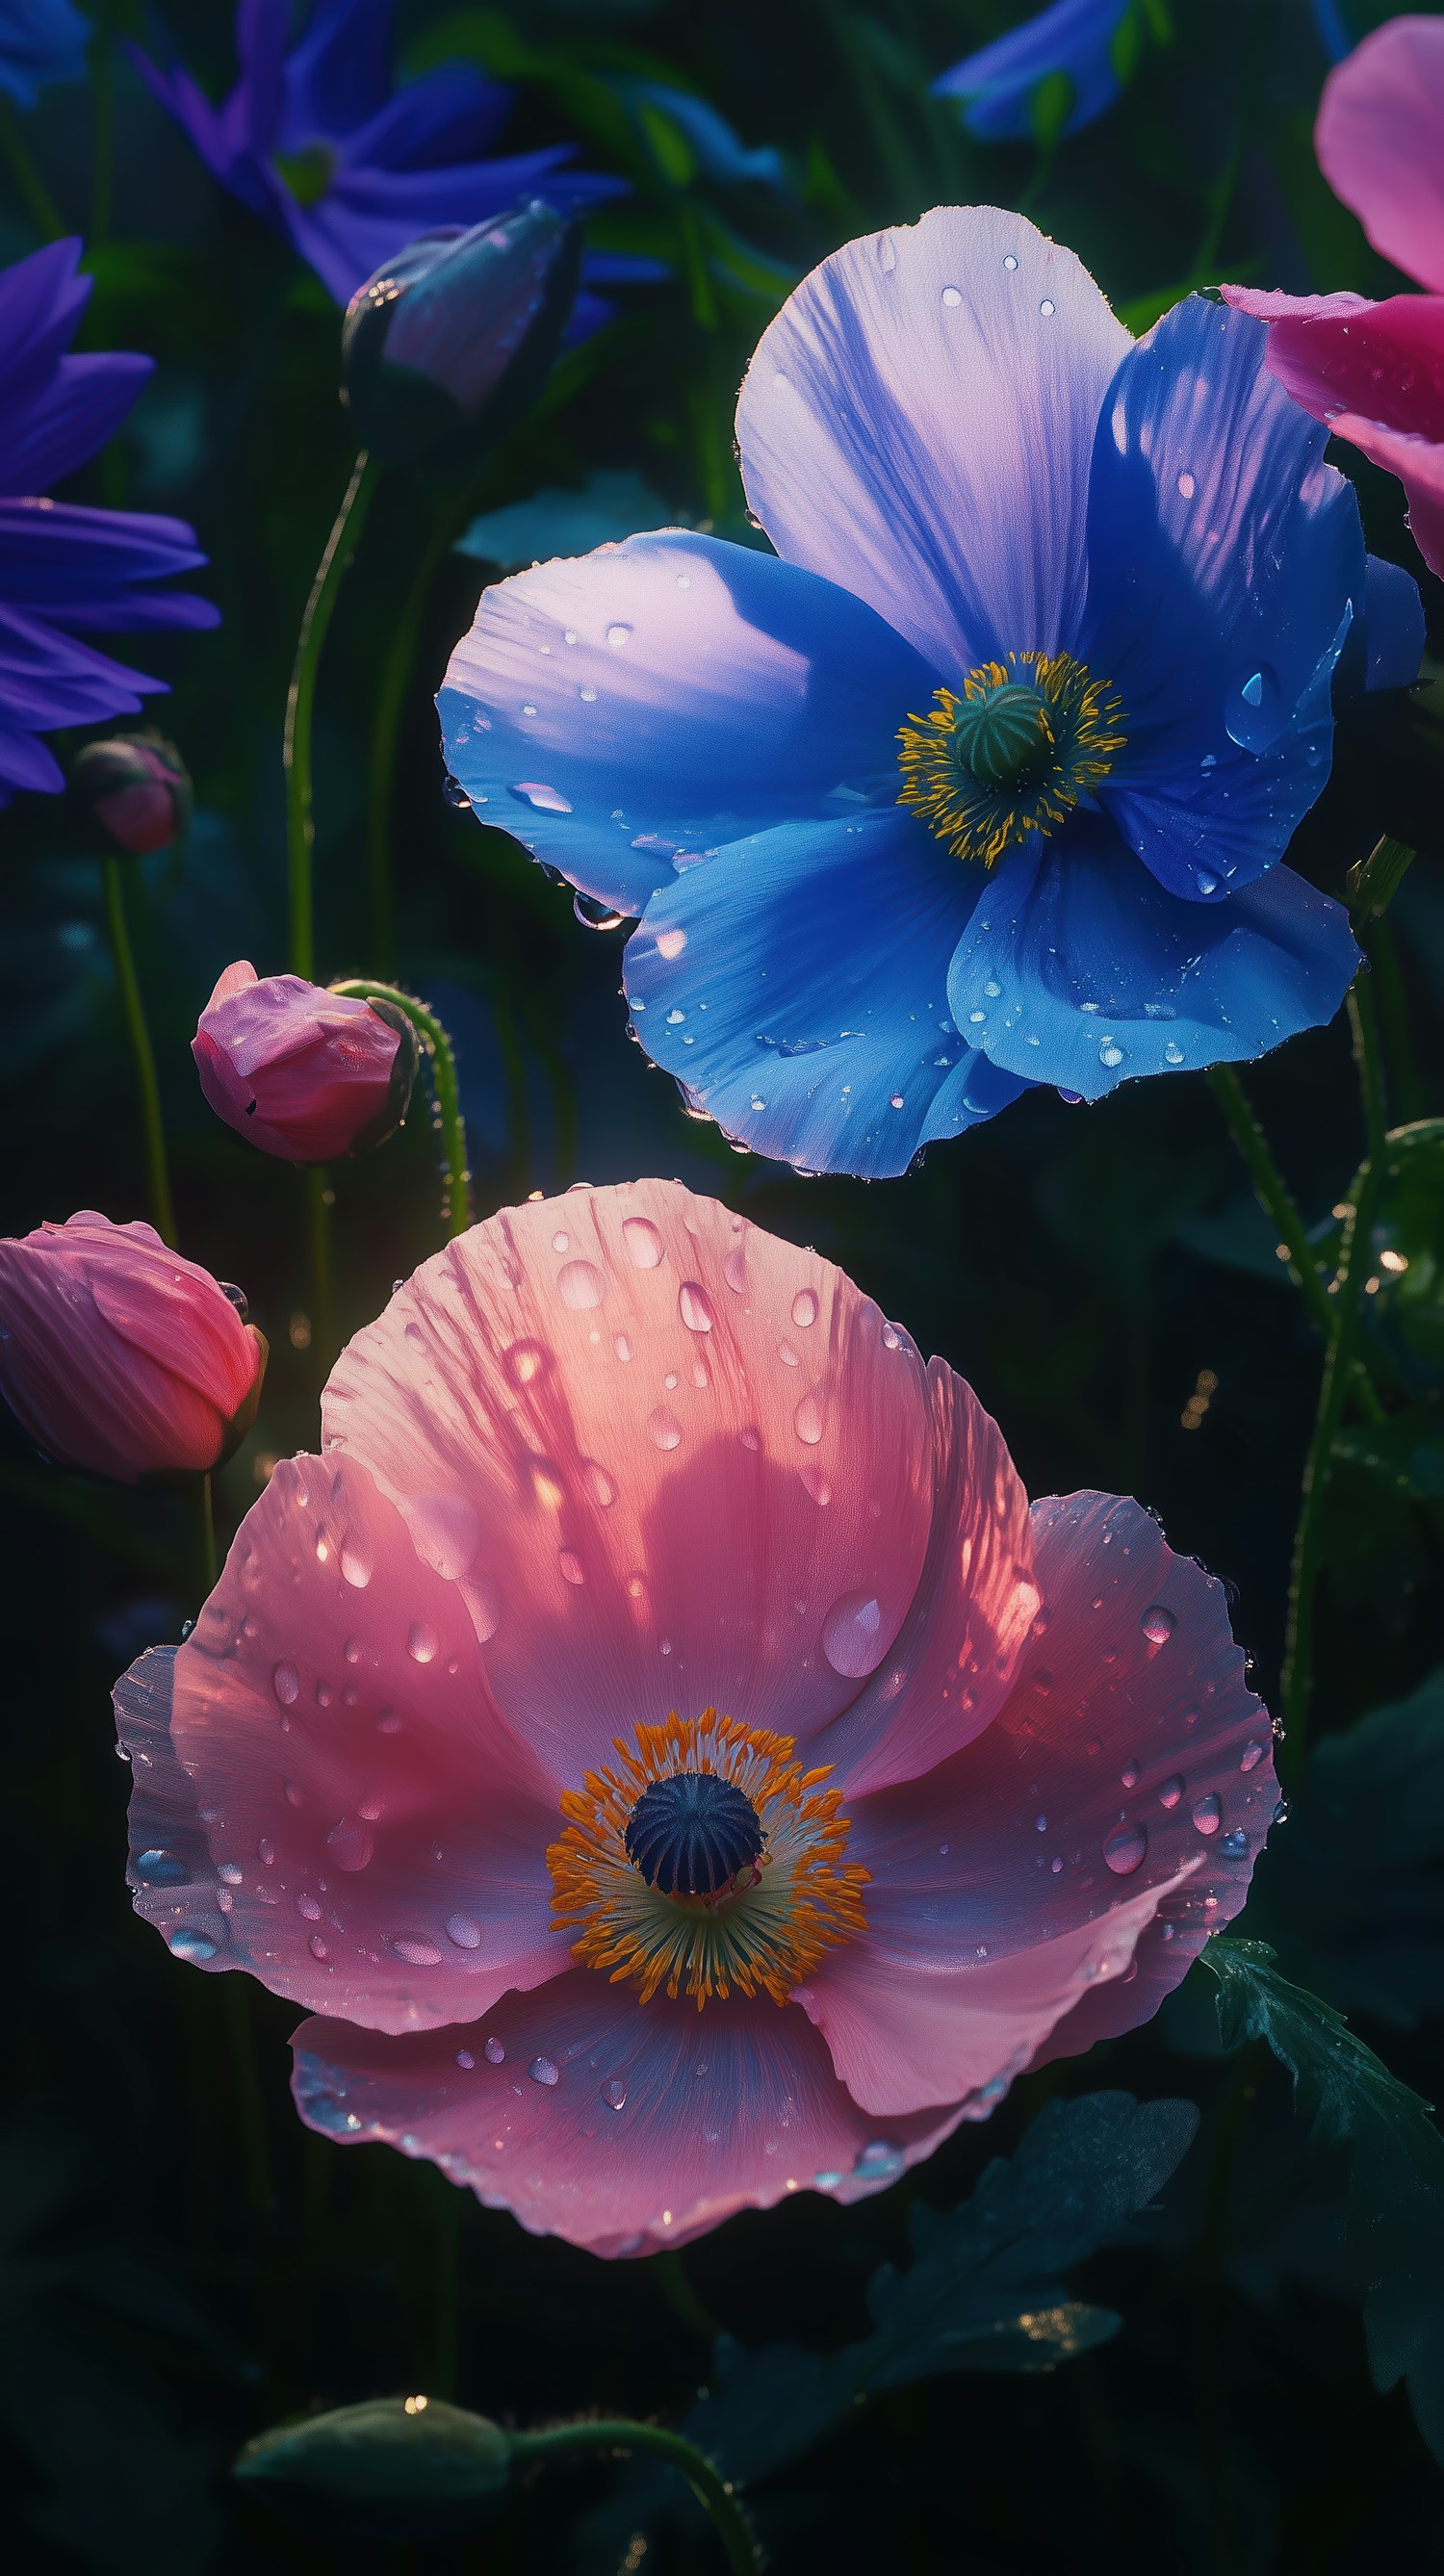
(663, 1428)
(807, 1421)
(1171, 1791)
(617, 636)
(1173, 1052)
(1252, 1754)
(670, 943)
(525, 1361)
(422, 1644)
(878, 2161)
(465, 2060)
(388, 1721)
(695, 1308)
(1047, 307)
(852, 1635)
(317, 1948)
(1234, 1843)
(1186, 487)
(463, 1931)
(417, 1954)
(951, 296)
(571, 1567)
(286, 1683)
(266, 1850)
(350, 1844)
(645, 1248)
(1008, 260)
(542, 2071)
(1158, 1624)
(188, 1943)
(1111, 1054)
(1125, 1850)
(580, 1284)
(163, 1868)
(535, 792)
(494, 2053)
(357, 1565)
(614, 2093)
(1207, 1812)
(804, 1309)
(1130, 1771)
(1040, 1824)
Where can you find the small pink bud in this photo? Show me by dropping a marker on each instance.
(119, 1357)
(300, 1072)
(135, 787)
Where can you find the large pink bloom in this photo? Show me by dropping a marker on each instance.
(980, 1782)
(1375, 372)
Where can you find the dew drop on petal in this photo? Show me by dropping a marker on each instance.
(1171, 1791)
(542, 2071)
(286, 1683)
(804, 1308)
(807, 1421)
(350, 1844)
(1207, 1813)
(494, 2053)
(357, 1563)
(1235, 1843)
(421, 1643)
(580, 1284)
(572, 1569)
(852, 1635)
(465, 2060)
(952, 297)
(524, 1362)
(734, 1268)
(614, 2093)
(663, 1428)
(645, 1248)
(1125, 1850)
(695, 1308)
(1252, 1754)
(188, 1943)
(417, 1954)
(1158, 1624)
(1130, 1771)
(465, 1933)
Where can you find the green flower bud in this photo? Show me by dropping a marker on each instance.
(392, 2468)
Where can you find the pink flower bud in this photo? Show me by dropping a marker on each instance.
(300, 1072)
(118, 1356)
(135, 789)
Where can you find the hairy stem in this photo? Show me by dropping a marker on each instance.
(456, 1204)
(346, 529)
(157, 1169)
(712, 2490)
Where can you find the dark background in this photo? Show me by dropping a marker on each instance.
(1081, 1267)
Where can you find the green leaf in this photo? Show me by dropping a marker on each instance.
(984, 2291)
(613, 503)
(1350, 1894)
(1376, 880)
(1396, 2165)
(1050, 107)
(1406, 1245)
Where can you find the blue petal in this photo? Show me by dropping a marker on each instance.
(720, 152)
(1075, 36)
(1386, 644)
(40, 41)
(1078, 969)
(795, 985)
(916, 424)
(652, 700)
(1225, 564)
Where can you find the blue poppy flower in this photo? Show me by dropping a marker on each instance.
(983, 779)
(706, 138)
(314, 137)
(40, 41)
(999, 84)
(67, 572)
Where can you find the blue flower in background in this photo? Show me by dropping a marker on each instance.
(1079, 38)
(314, 136)
(985, 782)
(66, 572)
(707, 142)
(40, 41)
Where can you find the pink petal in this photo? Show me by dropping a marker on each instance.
(325, 1792)
(1419, 464)
(232, 980)
(661, 1455)
(1129, 1772)
(622, 2126)
(1380, 142)
(945, 1677)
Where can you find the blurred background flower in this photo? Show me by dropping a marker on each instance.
(68, 572)
(40, 41)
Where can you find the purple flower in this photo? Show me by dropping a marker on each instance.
(40, 41)
(67, 572)
(314, 137)
(1082, 40)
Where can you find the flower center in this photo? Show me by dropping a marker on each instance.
(708, 1860)
(1012, 756)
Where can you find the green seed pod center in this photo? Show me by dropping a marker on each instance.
(1000, 734)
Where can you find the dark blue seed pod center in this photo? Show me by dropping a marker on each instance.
(689, 1835)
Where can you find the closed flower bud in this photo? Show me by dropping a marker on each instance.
(449, 343)
(394, 2468)
(119, 1357)
(135, 786)
(301, 1072)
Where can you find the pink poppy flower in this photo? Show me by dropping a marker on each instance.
(1375, 372)
(301, 1072)
(118, 1357)
(662, 1746)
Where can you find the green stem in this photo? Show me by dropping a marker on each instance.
(1368, 1057)
(1393, 1002)
(711, 2489)
(396, 679)
(157, 1173)
(42, 208)
(323, 1295)
(205, 1535)
(340, 545)
(1274, 1197)
(1298, 1668)
(456, 1205)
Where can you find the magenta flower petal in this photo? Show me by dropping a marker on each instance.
(673, 1461)
(622, 2130)
(1130, 1762)
(1380, 142)
(1375, 373)
(385, 1856)
(300, 1072)
(894, 414)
